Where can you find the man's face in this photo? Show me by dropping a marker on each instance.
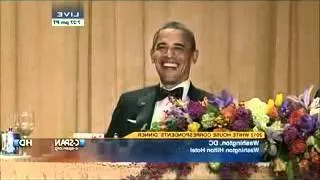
(172, 56)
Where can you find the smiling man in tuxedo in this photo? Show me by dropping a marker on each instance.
(173, 51)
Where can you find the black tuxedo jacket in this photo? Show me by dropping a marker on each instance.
(134, 110)
(317, 94)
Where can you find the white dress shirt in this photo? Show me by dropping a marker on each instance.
(162, 105)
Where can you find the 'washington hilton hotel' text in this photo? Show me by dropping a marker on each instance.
(229, 146)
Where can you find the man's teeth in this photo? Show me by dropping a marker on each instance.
(170, 65)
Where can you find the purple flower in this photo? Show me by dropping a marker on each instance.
(239, 125)
(307, 124)
(290, 133)
(176, 112)
(216, 101)
(243, 114)
(223, 101)
(317, 119)
(195, 109)
(288, 106)
(284, 110)
(241, 119)
(227, 97)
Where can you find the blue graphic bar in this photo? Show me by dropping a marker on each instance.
(161, 150)
(143, 150)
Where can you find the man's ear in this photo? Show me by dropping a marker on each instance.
(152, 56)
(195, 56)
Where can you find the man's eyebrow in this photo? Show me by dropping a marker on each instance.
(175, 44)
(179, 44)
(160, 43)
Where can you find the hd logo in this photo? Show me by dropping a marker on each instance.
(22, 143)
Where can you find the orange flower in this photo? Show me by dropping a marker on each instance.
(220, 130)
(315, 158)
(304, 165)
(273, 112)
(295, 116)
(229, 111)
(298, 146)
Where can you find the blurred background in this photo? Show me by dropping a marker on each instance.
(72, 77)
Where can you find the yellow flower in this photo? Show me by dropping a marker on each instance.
(279, 165)
(279, 99)
(258, 110)
(180, 103)
(193, 127)
(270, 105)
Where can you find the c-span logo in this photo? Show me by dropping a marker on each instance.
(68, 144)
(67, 16)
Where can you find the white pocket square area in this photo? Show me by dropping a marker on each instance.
(132, 121)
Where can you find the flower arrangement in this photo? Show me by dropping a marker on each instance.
(293, 133)
(291, 125)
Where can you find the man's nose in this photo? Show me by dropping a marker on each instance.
(170, 53)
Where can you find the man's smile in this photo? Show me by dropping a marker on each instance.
(170, 65)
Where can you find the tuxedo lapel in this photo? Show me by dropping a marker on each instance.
(146, 107)
(317, 94)
(195, 94)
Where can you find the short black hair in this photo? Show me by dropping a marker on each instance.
(179, 26)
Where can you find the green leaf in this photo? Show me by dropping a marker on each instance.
(155, 126)
(212, 109)
(171, 125)
(317, 134)
(290, 173)
(293, 169)
(316, 142)
(283, 152)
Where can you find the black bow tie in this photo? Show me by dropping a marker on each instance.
(177, 93)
